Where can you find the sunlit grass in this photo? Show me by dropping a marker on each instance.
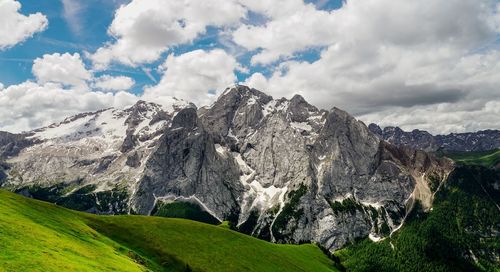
(38, 236)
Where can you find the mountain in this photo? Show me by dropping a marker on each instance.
(484, 140)
(461, 233)
(38, 236)
(278, 169)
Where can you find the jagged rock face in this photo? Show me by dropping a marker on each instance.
(281, 170)
(12, 144)
(186, 164)
(419, 139)
(313, 175)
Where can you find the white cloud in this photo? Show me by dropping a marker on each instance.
(294, 26)
(31, 105)
(394, 64)
(61, 68)
(16, 27)
(476, 108)
(257, 81)
(72, 10)
(440, 119)
(398, 88)
(111, 83)
(1, 86)
(144, 29)
(191, 76)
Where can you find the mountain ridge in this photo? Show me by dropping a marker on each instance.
(278, 169)
(483, 140)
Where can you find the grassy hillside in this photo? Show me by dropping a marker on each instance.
(459, 234)
(38, 236)
(485, 158)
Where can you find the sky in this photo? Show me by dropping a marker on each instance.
(418, 64)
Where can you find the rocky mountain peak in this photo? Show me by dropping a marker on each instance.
(238, 107)
(279, 169)
(141, 106)
(375, 129)
(245, 93)
(142, 110)
(299, 110)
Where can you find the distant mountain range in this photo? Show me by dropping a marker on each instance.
(420, 139)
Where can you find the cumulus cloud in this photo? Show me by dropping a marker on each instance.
(196, 76)
(144, 29)
(293, 26)
(61, 68)
(383, 63)
(111, 83)
(257, 81)
(31, 105)
(16, 27)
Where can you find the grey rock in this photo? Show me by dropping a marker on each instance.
(299, 110)
(129, 142)
(11, 144)
(134, 160)
(186, 164)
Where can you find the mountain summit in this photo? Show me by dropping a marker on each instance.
(282, 170)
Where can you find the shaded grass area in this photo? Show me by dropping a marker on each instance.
(38, 236)
(184, 210)
(82, 199)
(459, 234)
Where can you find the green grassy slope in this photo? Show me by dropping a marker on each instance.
(485, 158)
(38, 236)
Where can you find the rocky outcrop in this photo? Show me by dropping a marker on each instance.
(186, 164)
(12, 144)
(419, 139)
